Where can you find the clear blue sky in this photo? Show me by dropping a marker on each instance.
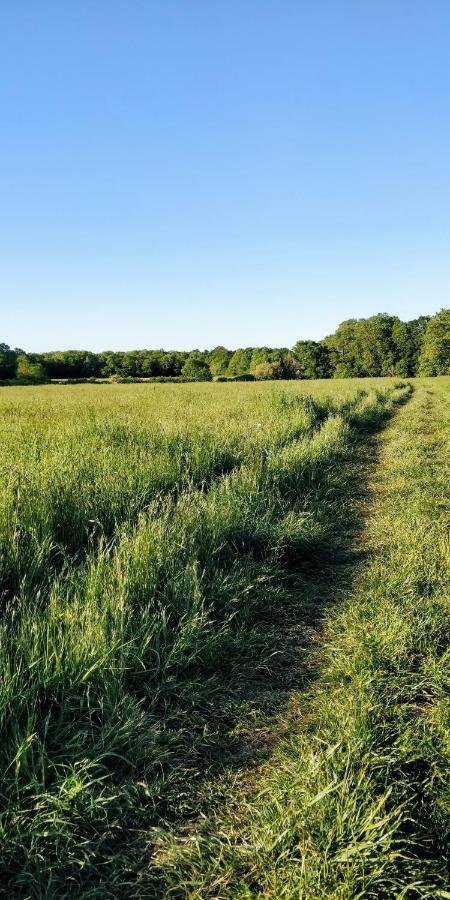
(188, 173)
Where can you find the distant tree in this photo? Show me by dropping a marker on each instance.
(313, 359)
(239, 363)
(197, 369)
(218, 360)
(108, 363)
(71, 363)
(278, 355)
(29, 372)
(402, 339)
(407, 338)
(258, 356)
(8, 362)
(435, 353)
(375, 349)
(172, 363)
(130, 363)
(150, 363)
(372, 347)
(291, 366)
(417, 328)
(342, 346)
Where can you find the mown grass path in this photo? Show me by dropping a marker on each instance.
(355, 800)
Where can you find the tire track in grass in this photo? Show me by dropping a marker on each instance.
(123, 697)
(355, 801)
(309, 584)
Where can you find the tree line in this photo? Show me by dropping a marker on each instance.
(381, 345)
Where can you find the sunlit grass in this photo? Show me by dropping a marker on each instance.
(153, 539)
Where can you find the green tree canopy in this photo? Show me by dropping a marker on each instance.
(8, 362)
(70, 363)
(240, 362)
(342, 346)
(313, 359)
(29, 372)
(259, 355)
(375, 346)
(218, 360)
(375, 352)
(197, 369)
(435, 353)
(407, 338)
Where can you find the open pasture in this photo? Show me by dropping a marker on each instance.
(165, 552)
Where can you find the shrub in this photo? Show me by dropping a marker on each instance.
(268, 371)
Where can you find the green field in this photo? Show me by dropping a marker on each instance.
(224, 640)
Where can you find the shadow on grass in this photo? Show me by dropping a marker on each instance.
(266, 658)
(221, 715)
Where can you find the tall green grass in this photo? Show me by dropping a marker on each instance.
(144, 562)
(355, 801)
(70, 477)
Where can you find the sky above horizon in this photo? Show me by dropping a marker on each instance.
(187, 174)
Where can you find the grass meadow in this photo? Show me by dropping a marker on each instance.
(224, 640)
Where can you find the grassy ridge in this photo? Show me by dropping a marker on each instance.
(122, 670)
(356, 803)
